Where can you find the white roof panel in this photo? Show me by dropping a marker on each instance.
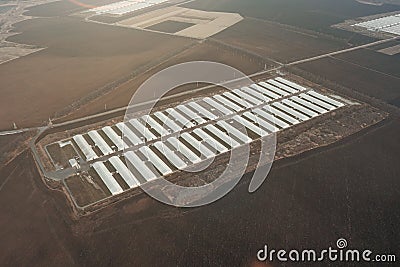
(248, 97)
(189, 113)
(168, 121)
(157, 162)
(181, 119)
(125, 173)
(274, 89)
(155, 125)
(282, 115)
(100, 143)
(107, 178)
(140, 166)
(232, 130)
(271, 118)
(264, 91)
(308, 105)
(210, 140)
(290, 111)
(184, 150)
(124, 7)
(228, 103)
(292, 84)
(218, 106)
(132, 137)
(85, 147)
(326, 99)
(256, 94)
(223, 136)
(199, 146)
(115, 138)
(282, 86)
(170, 155)
(142, 129)
(250, 126)
(300, 108)
(261, 122)
(393, 29)
(318, 102)
(202, 111)
(238, 100)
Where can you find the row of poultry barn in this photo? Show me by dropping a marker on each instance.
(124, 7)
(143, 149)
(388, 24)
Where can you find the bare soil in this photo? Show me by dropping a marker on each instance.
(170, 26)
(80, 58)
(356, 77)
(204, 52)
(317, 15)
(377, 61)
(276, 41)
(349, 189)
